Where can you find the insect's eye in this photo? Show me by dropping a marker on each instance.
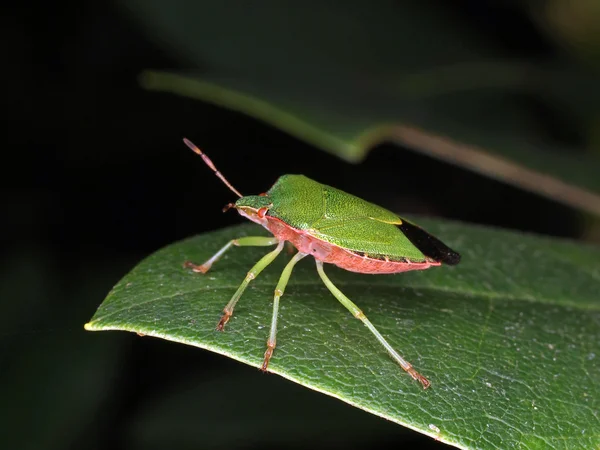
(262, 212)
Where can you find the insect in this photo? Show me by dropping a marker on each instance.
(334, 227)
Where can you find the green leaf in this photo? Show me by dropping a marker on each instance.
(348, 77)
(509, 338)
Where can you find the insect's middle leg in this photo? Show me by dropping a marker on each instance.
(246, 241)
(252, 274)
(279, 290)
(356, 312)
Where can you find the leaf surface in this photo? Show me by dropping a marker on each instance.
(509, 338)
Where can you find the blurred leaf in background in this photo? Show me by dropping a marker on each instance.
(54, 377)
(573, 24)
(346, 77)
(509, 338)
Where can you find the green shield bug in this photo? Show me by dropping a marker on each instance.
(334, 227)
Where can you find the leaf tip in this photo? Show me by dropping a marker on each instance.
(89, 326)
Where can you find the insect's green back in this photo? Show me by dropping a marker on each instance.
(340, 218)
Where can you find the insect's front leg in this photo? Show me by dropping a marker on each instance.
(246, 241)
(252, 274)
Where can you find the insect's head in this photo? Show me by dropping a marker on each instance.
(253, 207)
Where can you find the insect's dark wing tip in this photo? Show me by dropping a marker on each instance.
(429, 245)
(451, 258)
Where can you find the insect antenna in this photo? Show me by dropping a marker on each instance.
(210, 164)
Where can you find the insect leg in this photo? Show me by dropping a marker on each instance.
(283, 281)
(247, 241)
(252, 274)
(356, 312)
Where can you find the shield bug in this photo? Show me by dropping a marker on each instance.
(334, 227)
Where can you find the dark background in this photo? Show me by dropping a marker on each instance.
(95, 177)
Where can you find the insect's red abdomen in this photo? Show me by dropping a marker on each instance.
(334, 254)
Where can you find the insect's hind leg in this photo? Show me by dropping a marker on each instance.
(356, 312)
(252, 274)
(246, 241)
(279, 290)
